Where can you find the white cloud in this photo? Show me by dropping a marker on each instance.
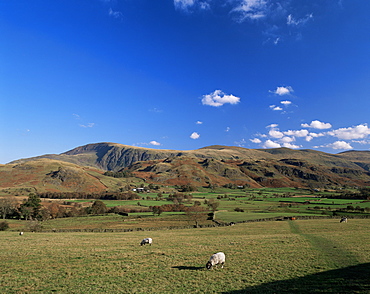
(272, 126)
(356, 132)
(296, 22)
(283, 91)
(286, 102)
(315, 124)
(341, 145)
(219, 98)
(362, 142)
(194, 135)
(89, 125)
(275, 134)
(251, 9)
(256, 141)
(296, 133)
(187, 4)
(271, 144)
(227, 129)
(275, 108)
(199, 122)
(287, 139)
(155, 143)
(183, 4)
(291, 146)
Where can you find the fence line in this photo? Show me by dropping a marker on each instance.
(215, 224)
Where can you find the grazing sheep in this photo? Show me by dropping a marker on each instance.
(343, 219)
(146, 241)
(217, 258)
(20, 233)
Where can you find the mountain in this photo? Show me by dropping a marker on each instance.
(83, 167)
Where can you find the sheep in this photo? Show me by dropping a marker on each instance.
(343, 219)
(217, 258)
(146, 241)
(20, 233)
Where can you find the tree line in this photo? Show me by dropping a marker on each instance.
(129, 195)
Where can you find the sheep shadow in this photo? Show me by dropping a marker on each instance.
(352, 279)
(189, 268)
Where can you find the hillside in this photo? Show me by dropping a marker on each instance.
(82, 168)
(49, 175)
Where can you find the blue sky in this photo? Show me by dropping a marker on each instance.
(184, 74)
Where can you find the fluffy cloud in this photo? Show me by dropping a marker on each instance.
(356, 132)
(315, 124)
(155, 143)
(338, 145)
(275, 134)
(256, 141)
(275, 108)
(286, 102)
(296, 133)
(291, 146)
(287, 139)
(219, 98)
(271, 144)
(199, 122)
(194, 135)
(283, 91)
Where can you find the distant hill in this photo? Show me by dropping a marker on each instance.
(82, 168)
(49, 175)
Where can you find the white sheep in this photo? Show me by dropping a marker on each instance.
(217, 258)
(146, 241)
(20, 233)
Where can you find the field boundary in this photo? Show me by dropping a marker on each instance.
(215, 224)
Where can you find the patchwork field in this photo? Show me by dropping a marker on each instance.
(315, 256)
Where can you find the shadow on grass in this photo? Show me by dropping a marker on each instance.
(353, 279)
(189, 268)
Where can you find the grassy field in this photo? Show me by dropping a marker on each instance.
(316, 256)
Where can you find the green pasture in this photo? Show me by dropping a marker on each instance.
(112, 203)
(255, 203)
(316, 256)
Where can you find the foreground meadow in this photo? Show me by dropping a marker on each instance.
(316, 256)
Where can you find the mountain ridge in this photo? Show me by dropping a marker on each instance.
(207, 166)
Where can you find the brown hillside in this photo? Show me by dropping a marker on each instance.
(253, 173)
(81, 169)
(48, 175)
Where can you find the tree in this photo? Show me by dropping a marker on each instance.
(54, 210)
(98, 207)
(157, 210)
(31, 207)
(196, 214)
(213, 204)
(7, 206)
